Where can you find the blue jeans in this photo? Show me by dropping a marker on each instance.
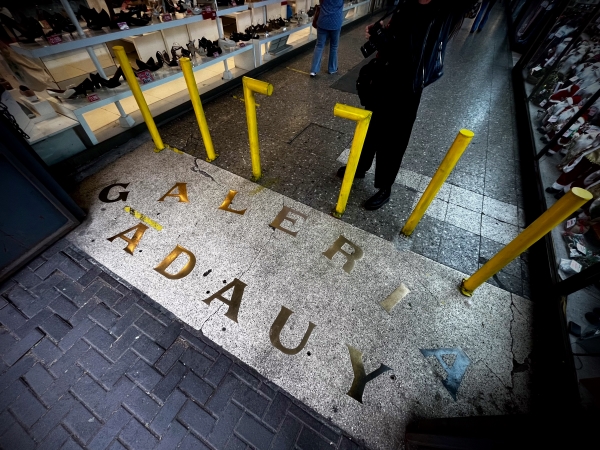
(334, 39)
(482, 16)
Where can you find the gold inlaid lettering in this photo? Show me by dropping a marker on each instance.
(227, 202)
(351, 257)
(393, 299)
(360, 377)
(235, 301)
(278, 325)
(283, 215)
(103, 196)
(132, 242)
(184, 271)
(181, 193)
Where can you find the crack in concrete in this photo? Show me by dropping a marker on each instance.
(211, 316)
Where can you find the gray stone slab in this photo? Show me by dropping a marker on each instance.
(281, 270)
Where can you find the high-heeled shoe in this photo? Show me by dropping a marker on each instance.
(85, 86)
(160, 61)
(168, 61)
(62, 94)
(99, 82)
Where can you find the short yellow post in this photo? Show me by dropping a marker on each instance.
(557, 213)
(188, 74)
(460, 144)
(250, 87)
(139, 97)
(362, 117)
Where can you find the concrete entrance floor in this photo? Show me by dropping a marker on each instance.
(367, 329)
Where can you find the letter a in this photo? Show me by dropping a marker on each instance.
(185, 270)
(133, 242)
(351, 257)
(181, 193)
(278, 325)
(360, 377)
(227, 202)
(456, 371)
(234, 302)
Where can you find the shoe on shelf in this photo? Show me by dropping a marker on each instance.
(28, 93)
(312, 74)
(342, 171)
(61, 94)
(379, 199)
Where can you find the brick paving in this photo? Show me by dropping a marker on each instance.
(90, 362)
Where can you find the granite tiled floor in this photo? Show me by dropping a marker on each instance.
(302, 144)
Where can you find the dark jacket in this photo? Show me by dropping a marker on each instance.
(417, 39)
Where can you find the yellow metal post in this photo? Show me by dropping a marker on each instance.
(139, 97)
(250, 87)
(569, 203)
(462, 141)
(188, 74)
(362, 117)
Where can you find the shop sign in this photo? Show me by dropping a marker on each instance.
(93, 98)
(123, 25)
(145, 76)
(53, 40)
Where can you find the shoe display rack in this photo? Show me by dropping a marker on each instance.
(557, 95)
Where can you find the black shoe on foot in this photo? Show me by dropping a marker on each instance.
(379, 199)
(551, 190)
(342, 171)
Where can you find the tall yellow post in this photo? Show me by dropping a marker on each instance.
(569, 203)
(188, 74)
(250, 87)
(362, 117)
(139, 97)
(462, 141)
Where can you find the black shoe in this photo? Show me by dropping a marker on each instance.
(559, 195)
(551, 190)
(342, 170)
(379, 199)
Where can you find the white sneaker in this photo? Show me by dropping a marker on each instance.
(312, 74)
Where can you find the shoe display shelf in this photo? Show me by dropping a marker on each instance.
(557, 99)
(166, 91)
(355, 9)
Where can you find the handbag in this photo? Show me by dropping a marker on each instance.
(474, 11)
(316, 16)
(371, 79)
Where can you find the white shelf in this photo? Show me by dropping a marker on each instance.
(277, 33)
(255, 5)
(354, 5)
(100, 37)
(46, 128)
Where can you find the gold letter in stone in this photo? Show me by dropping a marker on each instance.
(392, 299)
(227, 202)
(351, 257)
(133, 242)
(234, 302)
(103, 196)
(283, 215)
(278, 325)
(181, 193)
(185, 270)
(360, 377)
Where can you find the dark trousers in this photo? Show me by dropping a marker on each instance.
(388, 136)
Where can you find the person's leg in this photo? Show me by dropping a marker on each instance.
(372, 141)
(396, 129)
(486, 15)
(334, 39)
(316, 61)
(480, 14)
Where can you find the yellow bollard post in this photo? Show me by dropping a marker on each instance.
(462, 141)
(569, 203)
(139, 98)
(250, 87)
(188, 74)
(362, 117)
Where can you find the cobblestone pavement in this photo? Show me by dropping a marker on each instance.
(89, 362)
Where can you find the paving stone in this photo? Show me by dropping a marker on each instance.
(124, 343)
(286, 438)
(24, 301)
(196, 342)
(10, 395)
(218, 370)
(126, 320)
(100, 339)
(110, 430)
(71, 445)
(55, 248)
(254, 432)
(73, 336)
(118, 369)
(245, 375)
(85, 295)
(63, 307)
(21, 347)
(169, 357)
(135, 436)
(251, 400)
(223, 394)
(50, 265)
(194, 417)
(66, 378)
(191, 443)
(55, 439)
(144, 375)
(33, 323)
(196, 361)
(38, 379)
(114, 397)
(347, 444)
(196, 388)
(236, 443)
(304, 416)
(309, 440)
(224, 427)
(103, 316)
(168, 412)
(16, 437)
(27, 409)
(53, 417)
(147, 349)
(277, 411)
(172, 437)
(141, 405)
(81, 423)
(329, 433)
(170, 334)
(90, 276)
(164, 388)
(108, 295)
(11, 318)
(87, 391)
(15, 372)
(150, 326)
(125, 303)
(71, 269)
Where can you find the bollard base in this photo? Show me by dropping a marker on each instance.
(208, 159)
(406, 233)
(463, 290)
(337, 215)
(255, 179)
